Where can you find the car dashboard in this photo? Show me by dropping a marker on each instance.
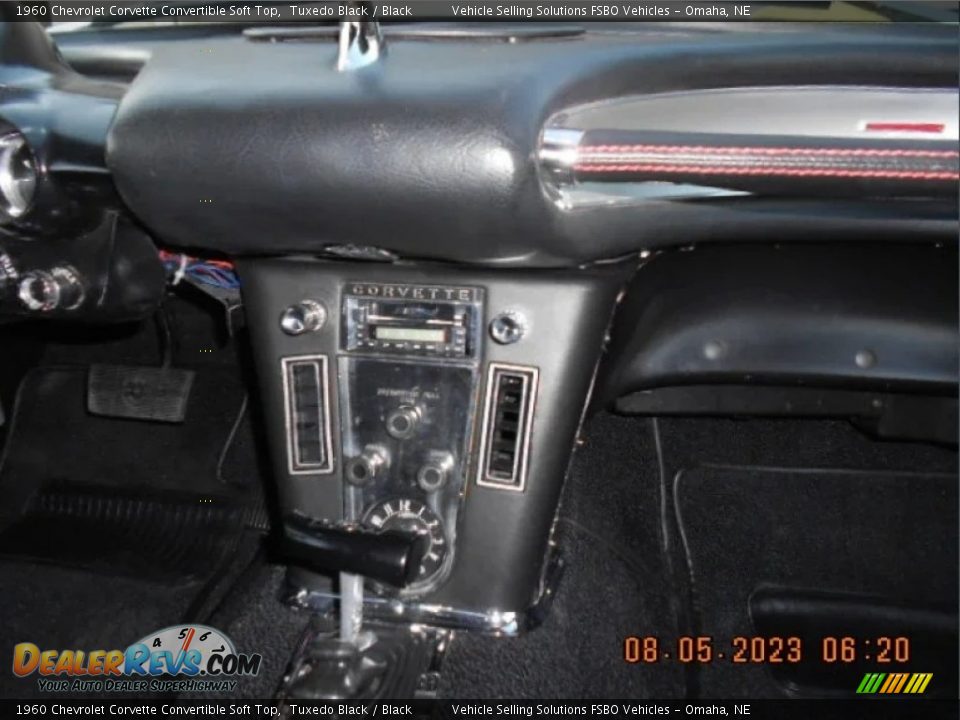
(448, 256)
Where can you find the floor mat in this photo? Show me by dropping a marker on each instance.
(166, 538)
(120, 496)
(891, 536)
(114, 528)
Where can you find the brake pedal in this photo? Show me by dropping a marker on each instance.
(139, 393)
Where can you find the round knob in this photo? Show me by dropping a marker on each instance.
(508, 327)
(402, 422)
(433, 474)
(56, 289)
(303, 317)
(370, 464)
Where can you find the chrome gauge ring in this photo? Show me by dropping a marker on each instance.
(18, 175)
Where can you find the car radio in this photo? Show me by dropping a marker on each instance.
(427, 321)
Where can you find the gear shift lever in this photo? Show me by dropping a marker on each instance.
(354, 664)
(389, 557)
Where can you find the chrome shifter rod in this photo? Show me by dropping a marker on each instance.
(392, 557)
(351, 607)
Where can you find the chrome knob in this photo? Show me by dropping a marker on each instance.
(402, 423)
(303, 317)
(46, 290)
(435, 472)
(370, 464)
(508, 327)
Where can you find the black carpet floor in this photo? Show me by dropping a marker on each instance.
(256, 619)
(674, 543)
(800, 505)
(615, 585)
(869, 534)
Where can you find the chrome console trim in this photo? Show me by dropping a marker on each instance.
(394, 610)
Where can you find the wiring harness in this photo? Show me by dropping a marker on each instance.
(217, 273)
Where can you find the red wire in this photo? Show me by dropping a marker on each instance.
(224, 264)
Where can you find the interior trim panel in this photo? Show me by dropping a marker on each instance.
(492, 546)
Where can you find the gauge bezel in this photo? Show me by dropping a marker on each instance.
(440, 542)
(13, 204)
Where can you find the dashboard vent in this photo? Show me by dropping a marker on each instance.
(307, 415)
(507, 425)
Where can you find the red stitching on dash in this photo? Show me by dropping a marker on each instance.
(714, 150)
(917, 127)
(786, 172)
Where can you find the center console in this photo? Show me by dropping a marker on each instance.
(429, 401)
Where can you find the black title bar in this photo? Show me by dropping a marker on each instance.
(467, 10)
(886, 709)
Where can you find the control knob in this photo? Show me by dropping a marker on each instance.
(46, 290)
(371, 463)
(303, 317)
(435, 472)
(402, 423)
(508, 327)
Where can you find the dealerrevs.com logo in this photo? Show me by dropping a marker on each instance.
(180, 658)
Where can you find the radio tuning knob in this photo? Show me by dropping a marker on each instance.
(371, 463)
(508, 327)
(303, 317)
